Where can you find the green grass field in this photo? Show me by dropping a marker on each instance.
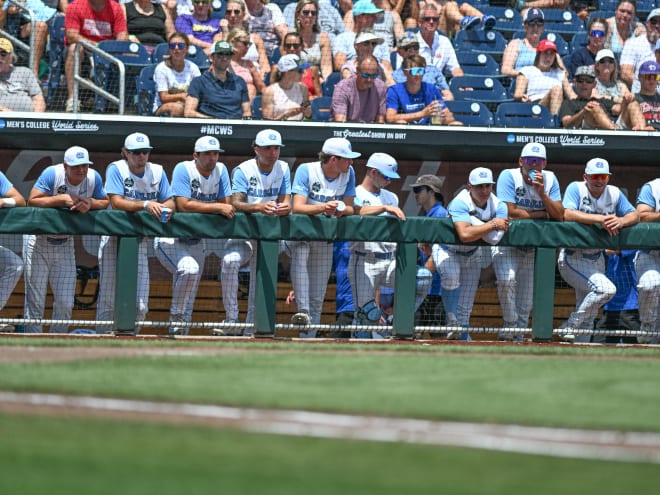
(592, 388)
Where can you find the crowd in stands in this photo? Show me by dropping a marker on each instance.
(398, 61)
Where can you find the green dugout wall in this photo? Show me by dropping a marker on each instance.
(546, 236)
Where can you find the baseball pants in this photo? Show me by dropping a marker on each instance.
(11, 269)
(647, 267)
(514, 269)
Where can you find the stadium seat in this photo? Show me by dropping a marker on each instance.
(471, 113)
(644, 7)
(479, 64)
(328, 86)
(146, 91)
(479, 41)
(563, 22)
(483, 89)
(609, 5)
(255, 104)
(508, 20)
(563, 48)
(219, 8)
(195, 54)
(519, 114)
(579, 40)
(321, 108)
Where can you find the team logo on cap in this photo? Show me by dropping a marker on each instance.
(483, 175)
(195, 184)
(80, 155)
(139, 139)
(536, 149)
(272, 137)
(600, 165)
(61, 189)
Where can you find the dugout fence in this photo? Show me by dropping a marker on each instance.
(543, 236)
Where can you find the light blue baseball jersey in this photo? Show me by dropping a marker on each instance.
(152, 185)
(52, 181)
(187, 182)
(260, 186)
(650, 194)
(310, 181)
(511, 188)
(612, 201)
(5, 185)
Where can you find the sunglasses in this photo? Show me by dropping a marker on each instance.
(371, 43)
(430, 19)
(654, 22)
(416, 71)
(411, 47)
(177, 46)
(369, 76)
(418, 189)
(201, 2)
(533, 160)
(606, 60)
(139, 152)
(597, 33)
(650, 77)
(234, 11)
(598, 176)
(247, 43)
(584, 80)
(292, 46)
(308, 12)
(535, 22)
(223, 55)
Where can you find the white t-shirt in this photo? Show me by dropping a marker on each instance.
(167, 78)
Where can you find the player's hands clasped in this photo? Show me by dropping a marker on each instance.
(500, 224)
(612, 224)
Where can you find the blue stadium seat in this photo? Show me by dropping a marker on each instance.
(482, 89)
(518, 114)
(644, 7)
(471, 113)
(256, 107)
(328, 86)
(609, 5)
(146, 91)
(478, 64)
(579, 40)
(479, 41)
(321, 108)
(508, 20)
(563, 48)
(563, 22)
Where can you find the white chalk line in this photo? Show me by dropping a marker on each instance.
(556, 442)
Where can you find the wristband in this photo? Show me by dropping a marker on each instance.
(145, 205)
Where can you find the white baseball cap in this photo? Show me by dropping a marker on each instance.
(604, 53)
(385, 164)
(597, 166)
(268, 137)
(137, 141)
(291, 61)
(535, 150)
(339, 147)
(207, 143)
(77, 155)
(481, 175)
(367, 35)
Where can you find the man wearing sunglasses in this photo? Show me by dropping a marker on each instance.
(218, 93)
(592, 202)
(360, 98)
(434, 47)
(529, 192)
(373, 264)
(648, 98)
(640, 49)
(133, 184)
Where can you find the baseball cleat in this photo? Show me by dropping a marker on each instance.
(301, 318)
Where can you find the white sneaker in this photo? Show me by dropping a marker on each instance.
(231, 330)
(70, 107)
(5, 328)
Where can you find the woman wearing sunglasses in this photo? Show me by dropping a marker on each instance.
(608, 84)
(202, 30)
(148, 23)
(287, 98)
(414, 101)
(173, 76)
(292, 45)
(317, 48)
(520, 52)
(596, 33)
(623, 26)
(246, 69)
(236, 17)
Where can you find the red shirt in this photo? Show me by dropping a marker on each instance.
(95, 26)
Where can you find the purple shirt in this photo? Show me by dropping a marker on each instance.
(359, 106)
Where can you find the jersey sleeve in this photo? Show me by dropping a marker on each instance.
(99, 190)
(285, 188)
(623, 207)
(113, 181)
(181, 182)
(350, 187)
(459, 211)
(239, 182)
(164, 189)
(646, 196)
(46, 181)
(572, 197)
(224, 190)
(301, 180)
(5, 185)
(506, 189)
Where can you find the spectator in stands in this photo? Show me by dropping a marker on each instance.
(91, 21)
(266, 20)
(416, 102)
(360, 98)
(73, 186)
(529, 192)
(454, 17)
(434, 47)
(648, 97)
(591, 202)
(236, 17)
(388, 25)
(287, 98)
(218, 92)
(409, 45)
(327, 187)
(317, 48)
(521, 52)
(477, 214)
(608, 84)
(179, 7)
(596, 32)
(11, 265)
(201, 28)
(148, 23)
(343, 48)
(544, 82)
(20, 90)
(292, 45)
(246, 69)
(43, 15)
(173, 76)
(408, 10)
(590, 112)
(640, 49)
(329, 18)
(365, 45)
(623, 26)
